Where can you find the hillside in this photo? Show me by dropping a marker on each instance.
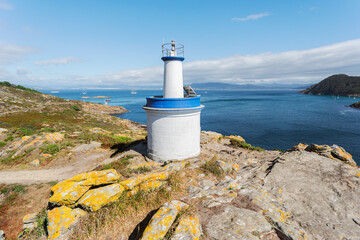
(69, 171)
(339, 85)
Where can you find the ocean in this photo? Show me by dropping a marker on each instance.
(271, 119)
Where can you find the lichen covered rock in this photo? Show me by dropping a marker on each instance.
(132, 182)
(54, 137)
(145, 187)
(69, 191)
(299, 147)
(162, 220)
(95, 199)
(189, 228)
(61, 220)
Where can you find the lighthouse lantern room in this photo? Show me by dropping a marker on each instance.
(173, 120)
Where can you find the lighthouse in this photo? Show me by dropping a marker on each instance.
(173, 119)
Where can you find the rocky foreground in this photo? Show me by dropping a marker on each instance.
(231, 191)
(67, 172)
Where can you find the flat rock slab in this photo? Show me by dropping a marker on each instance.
(237, 223)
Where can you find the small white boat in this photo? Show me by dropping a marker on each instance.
(133, 92)
(54, 91)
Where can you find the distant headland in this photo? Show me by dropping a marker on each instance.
(338, 85)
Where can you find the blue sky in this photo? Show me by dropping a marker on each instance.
(118, 43)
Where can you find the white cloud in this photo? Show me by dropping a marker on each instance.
(5, 5)
(299, 66)
(58, 61)
(303, 66)
(9, 53)
(251, 17)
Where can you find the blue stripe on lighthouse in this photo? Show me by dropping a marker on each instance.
(171, 103)
(171, 58)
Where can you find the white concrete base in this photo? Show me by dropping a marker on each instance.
(173, 135)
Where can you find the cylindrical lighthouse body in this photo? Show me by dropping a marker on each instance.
(173, 77)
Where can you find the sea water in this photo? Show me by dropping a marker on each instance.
(271, 119)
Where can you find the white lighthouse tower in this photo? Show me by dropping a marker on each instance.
(173, 120)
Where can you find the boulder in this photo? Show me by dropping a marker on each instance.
(95, 199)
(237, 223)
(3, 130)
(334, 152)
(189, 228)
(176, 166)
(298, 147)
(69, 191)
(162, 220)
(2, 235)
(61, 220)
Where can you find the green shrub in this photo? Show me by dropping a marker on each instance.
(2, 144)
(66, 144)
(26, 131)
(50, 148)
(48, 129)
(9, 138)
(75, 107)
(245, 145)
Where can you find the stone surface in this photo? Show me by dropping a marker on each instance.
(227, 166)
(69, 191)
(86, 147)
(307, 193)
(237, 223)
(3, 130)
(162, 220)
(145, 165)
(95, 199)
(299, 147)
(61, 220)
(237, 138)
(29, 221)
(189, 228)
(145, 187)
(2, 235)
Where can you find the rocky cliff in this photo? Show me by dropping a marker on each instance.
(339, 85)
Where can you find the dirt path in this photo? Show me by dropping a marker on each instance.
(83, 162)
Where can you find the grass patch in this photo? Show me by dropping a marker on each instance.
(245, 145)
(211, 167)
(119, 165)
(139, 170)
(26, 131)
(52, 183)
(11, 192)
(3, 144)
(7, 84)
(66, 145)
(50, 149)
(9, 138)
(48, 129)
(107, 141)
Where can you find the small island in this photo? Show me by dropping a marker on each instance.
(338, 85)
(355, 105)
